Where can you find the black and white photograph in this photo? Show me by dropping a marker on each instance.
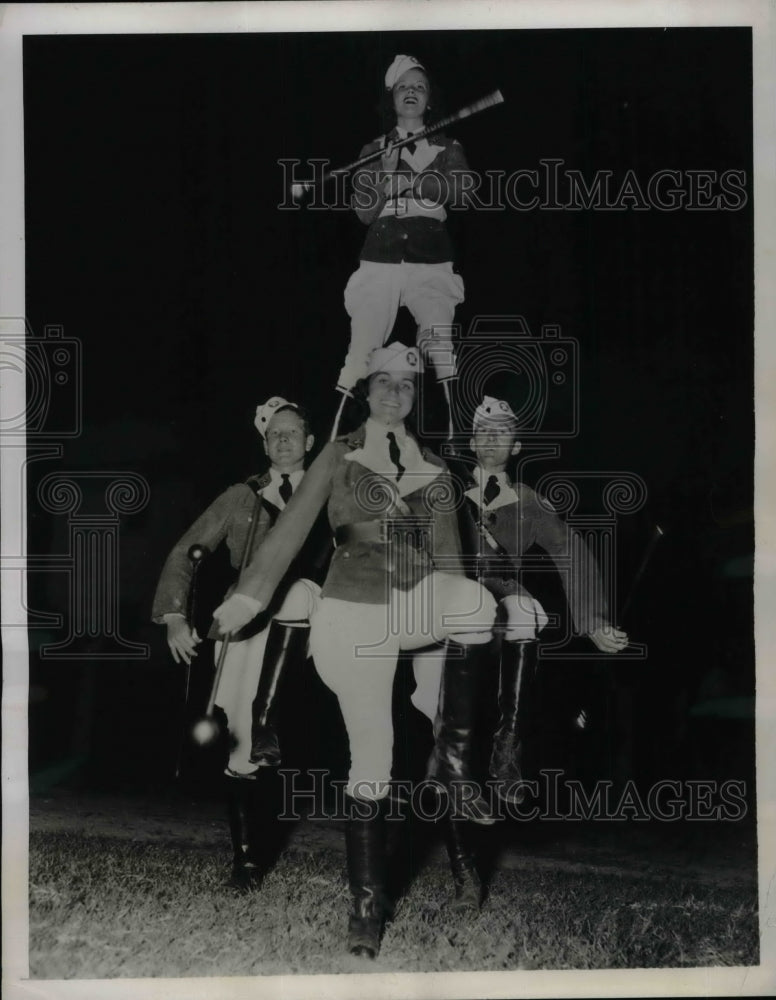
(384, 446)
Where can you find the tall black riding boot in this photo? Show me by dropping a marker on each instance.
(451, 759)
(365, 844)
(468, 888)
(284, 643)
(519, 661)
(245, 829)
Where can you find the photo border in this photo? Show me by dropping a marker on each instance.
(19, 20)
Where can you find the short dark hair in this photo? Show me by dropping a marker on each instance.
(300, 412)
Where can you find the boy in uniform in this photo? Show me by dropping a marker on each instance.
(506, 518)
(258, 655)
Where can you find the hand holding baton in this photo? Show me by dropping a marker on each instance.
(206, 729)
(299, 190)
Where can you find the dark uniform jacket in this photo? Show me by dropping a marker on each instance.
(499, 539)
(416, 239)
(362, 570)
(228, 518)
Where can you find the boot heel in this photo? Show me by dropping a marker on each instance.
(365, 928)
(244, 827)
(468, 887)
(365, 844)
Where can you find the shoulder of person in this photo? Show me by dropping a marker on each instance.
(237, 491)
(443, 139)
(235, 497)
(331, 452)
(374, 144)
(431, 457)
(352, 440)
(258, 481)
(530, 498)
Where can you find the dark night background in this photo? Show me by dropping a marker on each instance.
(153, 237)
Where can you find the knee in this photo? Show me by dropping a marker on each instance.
(300, 602)
(524, 617)
(472, 607)
(480, 597)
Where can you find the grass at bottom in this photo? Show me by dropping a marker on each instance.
(103, 907)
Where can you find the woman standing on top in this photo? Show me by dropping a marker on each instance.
(407, 258)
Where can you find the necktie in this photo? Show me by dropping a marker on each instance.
(286, 489)
(492, 490)
(411, 146)
(395, 454)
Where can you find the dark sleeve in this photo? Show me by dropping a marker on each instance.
(209, 530)
(582, 579)
(282, 543)
(444, 180)
(369, 198)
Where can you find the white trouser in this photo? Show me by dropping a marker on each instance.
(373, 296)
(242, 670)
(356, 646)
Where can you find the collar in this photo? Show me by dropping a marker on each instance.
(481, 476)
(373, 429)
(507, 495)
(355, 439)
(276, 477)
(369, 447)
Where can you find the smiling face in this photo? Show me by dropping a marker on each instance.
(286, 443)
(390, 396)
(410, 97)
(494, 442)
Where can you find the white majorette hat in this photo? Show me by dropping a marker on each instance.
(493, 409)
(394, 358)
(399, 67)
(266, 411)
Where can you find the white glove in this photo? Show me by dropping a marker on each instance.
(236, 611)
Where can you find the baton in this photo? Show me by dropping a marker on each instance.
(657, 534)
(196, 554)
(206, 729)
(300, 189)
